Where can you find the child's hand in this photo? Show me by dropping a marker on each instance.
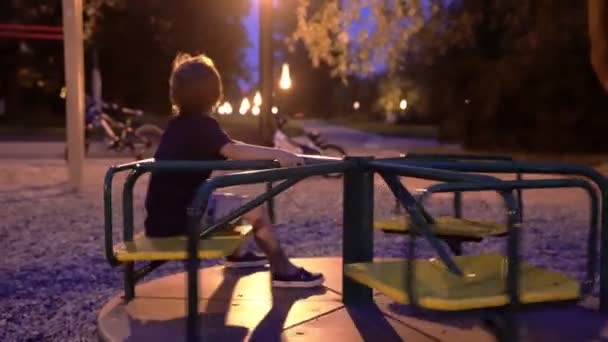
(288, 159)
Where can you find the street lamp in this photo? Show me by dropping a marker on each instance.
(74, 78)
(227, 108)
(285, 81)
(257, 99)
(245, 105)
(266, 73)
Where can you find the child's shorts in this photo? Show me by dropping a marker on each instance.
(222, 204)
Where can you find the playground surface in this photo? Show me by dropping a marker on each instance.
(239, 305)
(53, 274)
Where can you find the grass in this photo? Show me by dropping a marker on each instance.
(366, 123)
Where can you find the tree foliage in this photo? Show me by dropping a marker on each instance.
(136, 41)
(492, 73)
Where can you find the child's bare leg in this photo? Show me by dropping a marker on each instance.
(265, 239)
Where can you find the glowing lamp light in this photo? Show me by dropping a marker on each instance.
(245, 105)
(285, 81)
(403, 104)
(275, 110)
(255, 110)
(63, 92)
(356, 105)
(227, 108)
(221, 110)
(257, 99)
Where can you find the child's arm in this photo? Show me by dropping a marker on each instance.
(242, 151)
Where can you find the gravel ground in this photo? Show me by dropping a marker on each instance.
(54, 278)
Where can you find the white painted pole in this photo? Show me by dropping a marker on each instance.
(74, 78)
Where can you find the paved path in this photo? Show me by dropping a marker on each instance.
(355, 139)
(49, 150)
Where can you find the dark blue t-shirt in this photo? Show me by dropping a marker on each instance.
(187, 137)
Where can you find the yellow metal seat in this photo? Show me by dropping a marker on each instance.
(446, 226)
(174, 248)
(483, 286)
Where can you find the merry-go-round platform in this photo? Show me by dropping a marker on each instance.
(240, 305)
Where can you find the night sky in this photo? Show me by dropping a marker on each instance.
(252, 24)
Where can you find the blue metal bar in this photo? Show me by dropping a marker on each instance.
(270, 207)
(199, 206)
(220, 165)
(544, 184)
(243, 209)
(127, 203)
(461, 157)
(429, 173)
(357, 229)
(457, 156)
(138, 168)
(418, 220)
(520, 198)
(544, 168)
(458, 204)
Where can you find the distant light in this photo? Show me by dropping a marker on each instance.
(221, 110)
(403, 104)
(40, 83)
(285, 81)
(255, 110)
(467, 101)
(227, 108)
(275, 110)
(245, 105)
(63, 92)
(356, 105)
(257, 99)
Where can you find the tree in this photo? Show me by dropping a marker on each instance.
(32, 71)
(313, 84)
(138, 39)
(493, 73)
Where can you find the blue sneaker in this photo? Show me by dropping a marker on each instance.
(246, 260)
(301, 279)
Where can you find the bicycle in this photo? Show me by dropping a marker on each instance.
(314, 145)
(122, 130)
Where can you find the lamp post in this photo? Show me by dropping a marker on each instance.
(74, 79)
(285, 84)
(267, 125)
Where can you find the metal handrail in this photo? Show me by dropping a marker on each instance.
(199, 206)
(464, 157)
(542, 168)
(138, 168)
(541, 184)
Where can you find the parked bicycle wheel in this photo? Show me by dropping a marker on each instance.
(147, 137)
(330, 150)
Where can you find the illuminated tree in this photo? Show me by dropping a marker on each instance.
(493, 73)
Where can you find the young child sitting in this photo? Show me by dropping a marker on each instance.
(192, 134)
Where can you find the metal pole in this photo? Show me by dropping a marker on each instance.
(266, 72)
(358, 234)
(74, 78)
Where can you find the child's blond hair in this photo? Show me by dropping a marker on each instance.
(195, 84)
